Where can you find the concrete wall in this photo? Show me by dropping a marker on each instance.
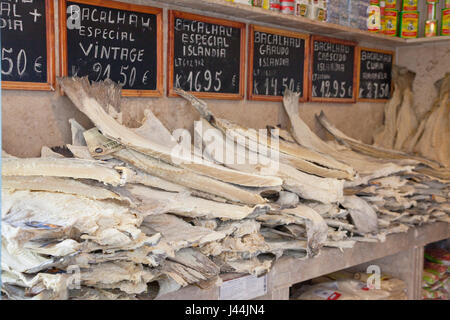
(34, 119)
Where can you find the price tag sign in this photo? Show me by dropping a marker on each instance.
(333, 70)
(243, 288)
(113, 40)
(375, 74)
(278, 60)
(206, 56)
(27, 45)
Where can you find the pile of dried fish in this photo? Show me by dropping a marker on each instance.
(129, 213)
(404, 131)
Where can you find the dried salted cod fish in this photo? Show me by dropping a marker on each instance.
(180, 234)
(386, 137)
(406, 120)
(170, 177)
(183, 204)
(316, 227)
(62, 185)
(300, 131)
(77, 133)
(153, 130)
(368, 149)
(43, 286)
(16, 259)
(78, 90)
(80, 152)
(307, 186)
(278, 219)
(187, 178)
(239, 229)
(289, 153)
(287, 200)
(441, 132)
(193, 259)
(363, 216)
(86, 293)
(304, 136)
(71, 168)
(46, 152)
(181, 274)
(55, 249)
(343, 244)
(256, 266)
(235, 248)
(111, 273)
(325, 190)
(27, 214)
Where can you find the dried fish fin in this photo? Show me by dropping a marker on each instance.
(77, 133)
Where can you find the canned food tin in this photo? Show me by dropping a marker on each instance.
(391, 4)
(431, 9)
(257, 3)
(430, 28)
(274, 5)
(390, 22)
(287, 6)
(445, 24)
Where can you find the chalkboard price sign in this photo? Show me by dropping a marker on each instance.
(277, 60)
(27, 45)
(113, 40)
(206, 56)
(374, 74)
(333, 70)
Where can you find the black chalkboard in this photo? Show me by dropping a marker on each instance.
(375, 74)
(333, 70)
(206, 56)
(119, 41)
(27, 44)
(277, 60)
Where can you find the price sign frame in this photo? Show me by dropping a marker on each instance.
(50, 45)
(158, 12)
(355, 67)
(392, 53)
(251, 48)
(171, 54)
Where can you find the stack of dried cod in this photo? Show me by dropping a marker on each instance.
(122, 215)
(403, 130)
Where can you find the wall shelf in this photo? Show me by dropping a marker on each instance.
(287, 271)
(245, 12)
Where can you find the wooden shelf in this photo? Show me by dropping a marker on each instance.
(301, 24)
(288, 271)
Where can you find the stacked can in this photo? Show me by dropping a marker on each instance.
(445, 22)
(431, 23)
(274, 5)
(409, 19)
(287, 6)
